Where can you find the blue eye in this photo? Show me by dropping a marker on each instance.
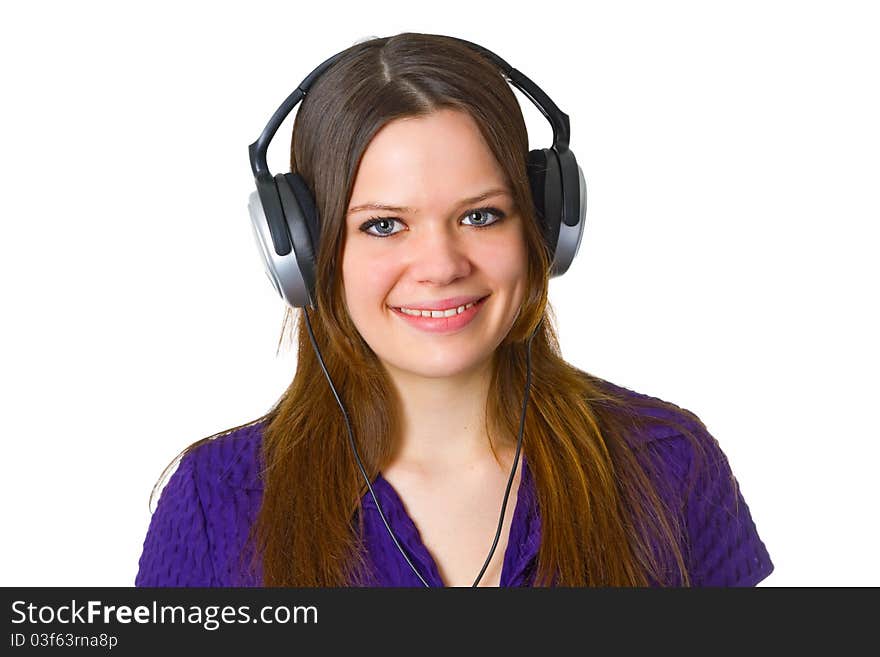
(381, 222)
(498, 214)
(384, 224)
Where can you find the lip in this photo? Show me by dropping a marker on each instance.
(443, 324)
(441, 304)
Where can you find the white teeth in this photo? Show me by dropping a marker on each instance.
(436, 313)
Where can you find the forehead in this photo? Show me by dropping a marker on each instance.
(421, 161)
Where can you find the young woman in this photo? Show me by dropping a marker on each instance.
(433, 434)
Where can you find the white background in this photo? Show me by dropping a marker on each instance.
(729, 264)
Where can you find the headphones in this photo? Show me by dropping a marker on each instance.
(285, 220)
(286, 229)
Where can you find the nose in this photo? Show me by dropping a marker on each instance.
(438, 255)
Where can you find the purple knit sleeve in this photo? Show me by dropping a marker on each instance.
(176, 550)
(726, 549)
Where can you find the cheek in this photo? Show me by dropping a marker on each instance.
(505, 259)
(367, 279)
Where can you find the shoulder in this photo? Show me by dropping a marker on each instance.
(204, 511)
(654, 418)
(670, 440)
(228, 460)
(694, 476)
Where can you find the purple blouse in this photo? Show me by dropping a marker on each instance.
(205, 511)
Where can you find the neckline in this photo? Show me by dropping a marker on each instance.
(422, 557)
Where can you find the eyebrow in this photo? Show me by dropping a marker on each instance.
(396, 208)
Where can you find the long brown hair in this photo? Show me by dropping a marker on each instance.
(604, 522)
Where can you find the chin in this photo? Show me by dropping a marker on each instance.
(441, 368)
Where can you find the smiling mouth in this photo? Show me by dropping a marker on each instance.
(441, 313)
(442, 324)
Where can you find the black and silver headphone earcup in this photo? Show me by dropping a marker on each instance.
(297, 277)
(308, 208)
(546, 183)
(573, 210)
(263, 239)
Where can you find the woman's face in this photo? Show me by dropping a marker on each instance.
(434, 246)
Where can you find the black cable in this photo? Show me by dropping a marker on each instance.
(367, 478)
(522, 421)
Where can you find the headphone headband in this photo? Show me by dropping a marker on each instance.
(557, 118)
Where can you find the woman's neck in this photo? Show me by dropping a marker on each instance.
(443, 420)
